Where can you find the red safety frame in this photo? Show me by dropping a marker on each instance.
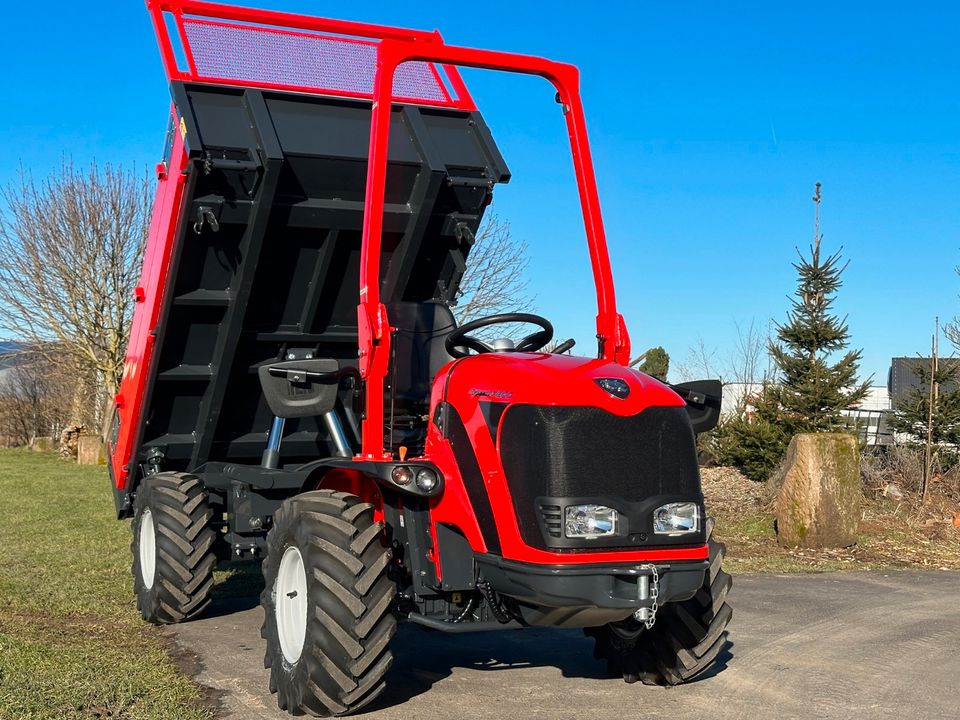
(374, 325)
(395, 46)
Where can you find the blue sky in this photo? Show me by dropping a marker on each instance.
(709, 122)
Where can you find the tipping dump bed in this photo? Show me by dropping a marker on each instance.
(282, 271)
(263, 259)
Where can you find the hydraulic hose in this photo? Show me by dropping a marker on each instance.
(497, 608)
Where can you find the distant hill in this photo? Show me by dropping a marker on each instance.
(5, 349)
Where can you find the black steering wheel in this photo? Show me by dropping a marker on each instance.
(459, 341)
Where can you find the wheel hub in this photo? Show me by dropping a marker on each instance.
(148, 549)
(290, 604)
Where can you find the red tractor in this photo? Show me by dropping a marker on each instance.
(298, 391)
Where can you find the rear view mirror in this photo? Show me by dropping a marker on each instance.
(703, 403)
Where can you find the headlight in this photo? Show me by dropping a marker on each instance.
(426, 479)
(402, 475)
(676, 519)
(589, 521)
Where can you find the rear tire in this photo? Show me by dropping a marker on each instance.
(327, 652)
(173, 548)
(685, 640)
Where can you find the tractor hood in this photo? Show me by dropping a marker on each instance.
(547, 379)
(534, 433)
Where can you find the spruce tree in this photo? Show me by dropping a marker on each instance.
(813, 391)
(813, 387)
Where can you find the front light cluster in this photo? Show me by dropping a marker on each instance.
(676, 519)
(589, 522)
(425, 479)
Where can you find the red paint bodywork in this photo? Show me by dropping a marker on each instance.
(354, 482)
(167, 211)
(614, 342)
(529, 378)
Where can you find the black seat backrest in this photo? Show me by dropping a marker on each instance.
(301, 388)
(421, 329)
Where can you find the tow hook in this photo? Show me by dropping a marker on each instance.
(648, 590)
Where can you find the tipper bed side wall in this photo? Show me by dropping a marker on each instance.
(158, 254)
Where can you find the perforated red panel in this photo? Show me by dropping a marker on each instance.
(284, 58)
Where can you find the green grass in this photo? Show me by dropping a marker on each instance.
(71, 642)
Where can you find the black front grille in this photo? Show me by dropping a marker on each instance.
(585, 452)
(552, 520)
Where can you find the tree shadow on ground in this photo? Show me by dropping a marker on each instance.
(423, 658)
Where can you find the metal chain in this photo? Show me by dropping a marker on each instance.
(654, 593)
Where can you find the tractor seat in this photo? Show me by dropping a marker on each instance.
(419, 352)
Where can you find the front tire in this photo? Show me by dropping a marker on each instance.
(327, 604)
(173, 540)
(689, 635)
(685, 640)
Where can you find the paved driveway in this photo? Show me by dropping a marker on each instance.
(836, 645)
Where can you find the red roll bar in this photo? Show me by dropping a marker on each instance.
(374, 327)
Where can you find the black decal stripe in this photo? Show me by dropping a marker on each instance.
(472, 479)
(492, 412)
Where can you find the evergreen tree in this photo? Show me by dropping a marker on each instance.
(656, 363)
(752, 439)
(812, 390)
(912, 413)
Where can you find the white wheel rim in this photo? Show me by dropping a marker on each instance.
(290, 607)
(148, 549)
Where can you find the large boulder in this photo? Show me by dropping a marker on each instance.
(818, 491)
(43, 444)
(90, 450)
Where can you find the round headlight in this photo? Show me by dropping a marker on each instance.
(402, 475)
(427, 479)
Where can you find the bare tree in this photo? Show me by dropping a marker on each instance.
(750, 362)
(952, 328)
(700, 363)
(35, 396)
(70, 253)
(495, 280)
(747, 365)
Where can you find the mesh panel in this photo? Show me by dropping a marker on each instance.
(315, 62)
(587, 452)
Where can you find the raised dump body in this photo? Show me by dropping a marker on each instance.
(268, 255)
(263, 260)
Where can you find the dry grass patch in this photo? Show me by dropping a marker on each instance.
(893, 534)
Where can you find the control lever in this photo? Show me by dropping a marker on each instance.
(564, 346)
